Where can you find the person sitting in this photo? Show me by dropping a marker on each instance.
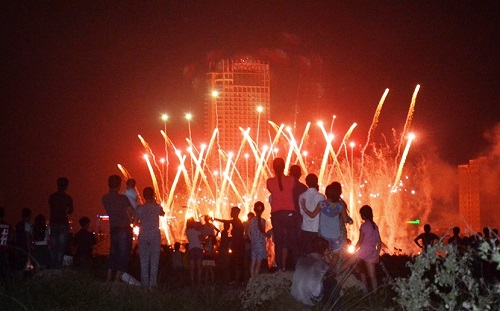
(311, 282)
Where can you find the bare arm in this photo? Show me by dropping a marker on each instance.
(223, 220)
(309, 213)
(416, 241)
(345, 217)
(360, 240)
(379, 243)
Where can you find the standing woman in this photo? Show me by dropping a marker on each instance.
(332, 223)
(369, 245)
(282, 213)
(147, 216)
(258, 239)
(195, 249)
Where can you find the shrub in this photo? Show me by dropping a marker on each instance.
(447, 282)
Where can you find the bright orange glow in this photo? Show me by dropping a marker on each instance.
(350, 249)
(260, 109)
(214, 179)
(189, 116)
(164, 117)
(215, 93)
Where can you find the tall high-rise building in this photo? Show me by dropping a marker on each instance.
(470, 192)
(238, 97)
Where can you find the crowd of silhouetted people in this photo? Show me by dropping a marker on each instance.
(306, 234)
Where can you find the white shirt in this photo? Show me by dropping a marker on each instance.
(307, 284)
(310, 199)
(132, 196)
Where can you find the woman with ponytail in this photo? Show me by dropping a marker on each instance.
(283, 216)
(369, 245)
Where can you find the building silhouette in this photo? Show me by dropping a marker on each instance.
(238, 97)
(478, 194)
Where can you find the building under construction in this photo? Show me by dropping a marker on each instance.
(238, 97)
(478, 195)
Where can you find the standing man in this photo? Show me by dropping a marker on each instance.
(120, 213)
(309, 201)
(61, 205)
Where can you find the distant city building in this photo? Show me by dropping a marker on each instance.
(477, 195)
(238, 96)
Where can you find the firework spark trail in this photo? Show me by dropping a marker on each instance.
(331, 124)
(291, 150)
(124, 171)
(402, 162)
(199, 176)
(234, 170)
(279, 133)
(328, 139)
(170, 199)
(409, 118)
(261, 158)
(153, 176)
(209, 148)
(150, 152)
(296, 148)
(372, 128)
(336, 165)
(346, 138)
(300, 158)
(380, 177)
(225, 177)
(164, 175)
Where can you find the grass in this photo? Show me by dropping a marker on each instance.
(69, 289)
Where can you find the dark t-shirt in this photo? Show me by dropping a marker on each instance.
(116, 206)
(61, 204)
(84, 240)
(298, 189)
(237, 233)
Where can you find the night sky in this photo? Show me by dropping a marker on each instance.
(82, 79)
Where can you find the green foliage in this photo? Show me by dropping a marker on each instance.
(446, 282)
